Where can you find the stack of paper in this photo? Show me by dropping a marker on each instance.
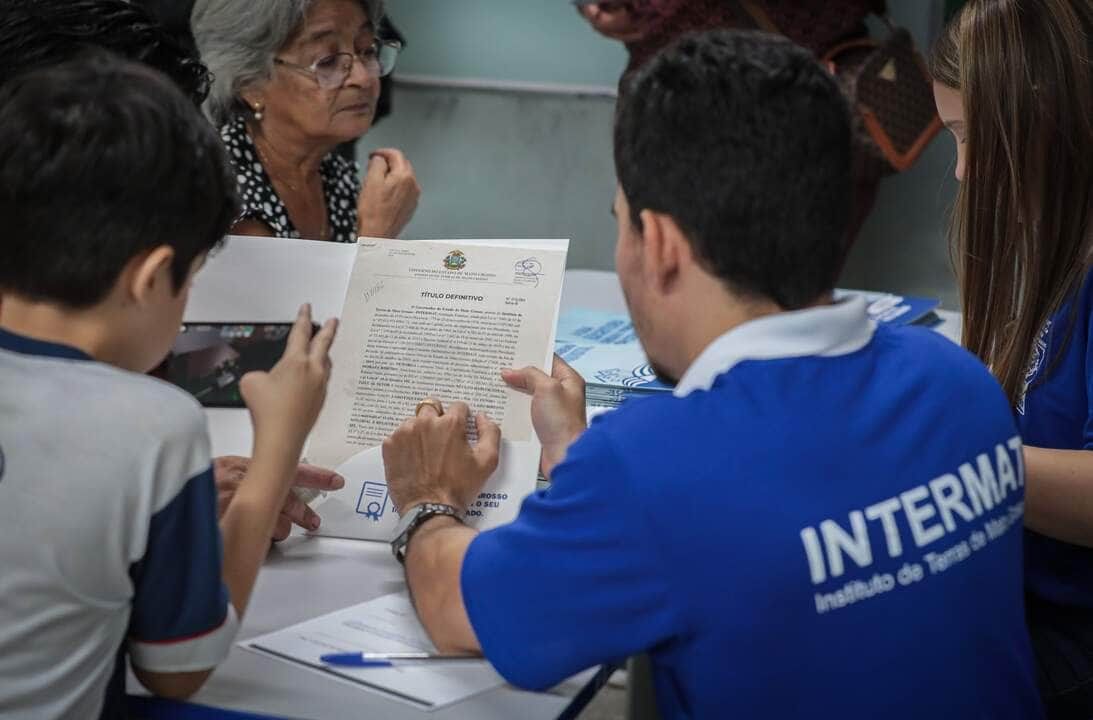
(897, 309)
(604, 349)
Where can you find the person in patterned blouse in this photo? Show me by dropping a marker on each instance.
(293, 80)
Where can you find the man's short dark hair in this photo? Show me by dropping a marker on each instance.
(744, 140)
(38, 33)
(102, 159)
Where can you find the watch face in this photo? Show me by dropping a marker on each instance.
(409, 522)
(405, 522)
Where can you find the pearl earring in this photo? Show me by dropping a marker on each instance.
(258, 115)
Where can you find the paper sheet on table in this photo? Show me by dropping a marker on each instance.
(435, 319)
(386, 624)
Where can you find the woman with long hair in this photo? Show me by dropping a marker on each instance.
(1014, 84)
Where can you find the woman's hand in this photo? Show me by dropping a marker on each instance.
(617, 19)
(230, 470)
(389, 196)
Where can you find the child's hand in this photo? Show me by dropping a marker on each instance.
(285, 402)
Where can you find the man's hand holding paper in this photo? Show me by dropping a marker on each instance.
(429, 459)
(557, 407)
(435, 320)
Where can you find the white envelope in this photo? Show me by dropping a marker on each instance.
(363, 509)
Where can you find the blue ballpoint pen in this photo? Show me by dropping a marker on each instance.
(386, 660)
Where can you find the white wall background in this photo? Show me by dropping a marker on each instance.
(510, 163)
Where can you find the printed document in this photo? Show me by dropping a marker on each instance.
(385, 625)
(435, 319)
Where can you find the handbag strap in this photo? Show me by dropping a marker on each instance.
(762, 20)
(759, 16)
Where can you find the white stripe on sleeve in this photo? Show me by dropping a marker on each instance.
(189, 654)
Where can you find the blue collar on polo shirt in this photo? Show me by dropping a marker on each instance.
(29, 346)
(827, 331)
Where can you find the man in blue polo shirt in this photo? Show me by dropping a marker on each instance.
(824, 520)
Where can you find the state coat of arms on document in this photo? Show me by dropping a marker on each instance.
(456, 260)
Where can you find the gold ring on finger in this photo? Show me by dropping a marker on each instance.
(430, 402)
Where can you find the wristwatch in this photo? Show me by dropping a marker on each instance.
(411, 521)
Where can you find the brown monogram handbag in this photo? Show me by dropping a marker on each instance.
(886, 81)
(891, 88)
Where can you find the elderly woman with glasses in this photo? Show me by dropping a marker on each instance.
(293, 80)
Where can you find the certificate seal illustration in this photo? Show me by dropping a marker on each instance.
(456, 260)
(373, 501)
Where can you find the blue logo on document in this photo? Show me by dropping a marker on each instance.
(373, 501)
(642, 375)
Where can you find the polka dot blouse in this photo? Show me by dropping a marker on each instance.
(341, 186)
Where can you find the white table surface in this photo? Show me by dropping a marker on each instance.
(305, 577)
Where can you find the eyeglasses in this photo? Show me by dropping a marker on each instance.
(331, 71)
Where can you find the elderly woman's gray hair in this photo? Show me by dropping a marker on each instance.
(238, 40)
